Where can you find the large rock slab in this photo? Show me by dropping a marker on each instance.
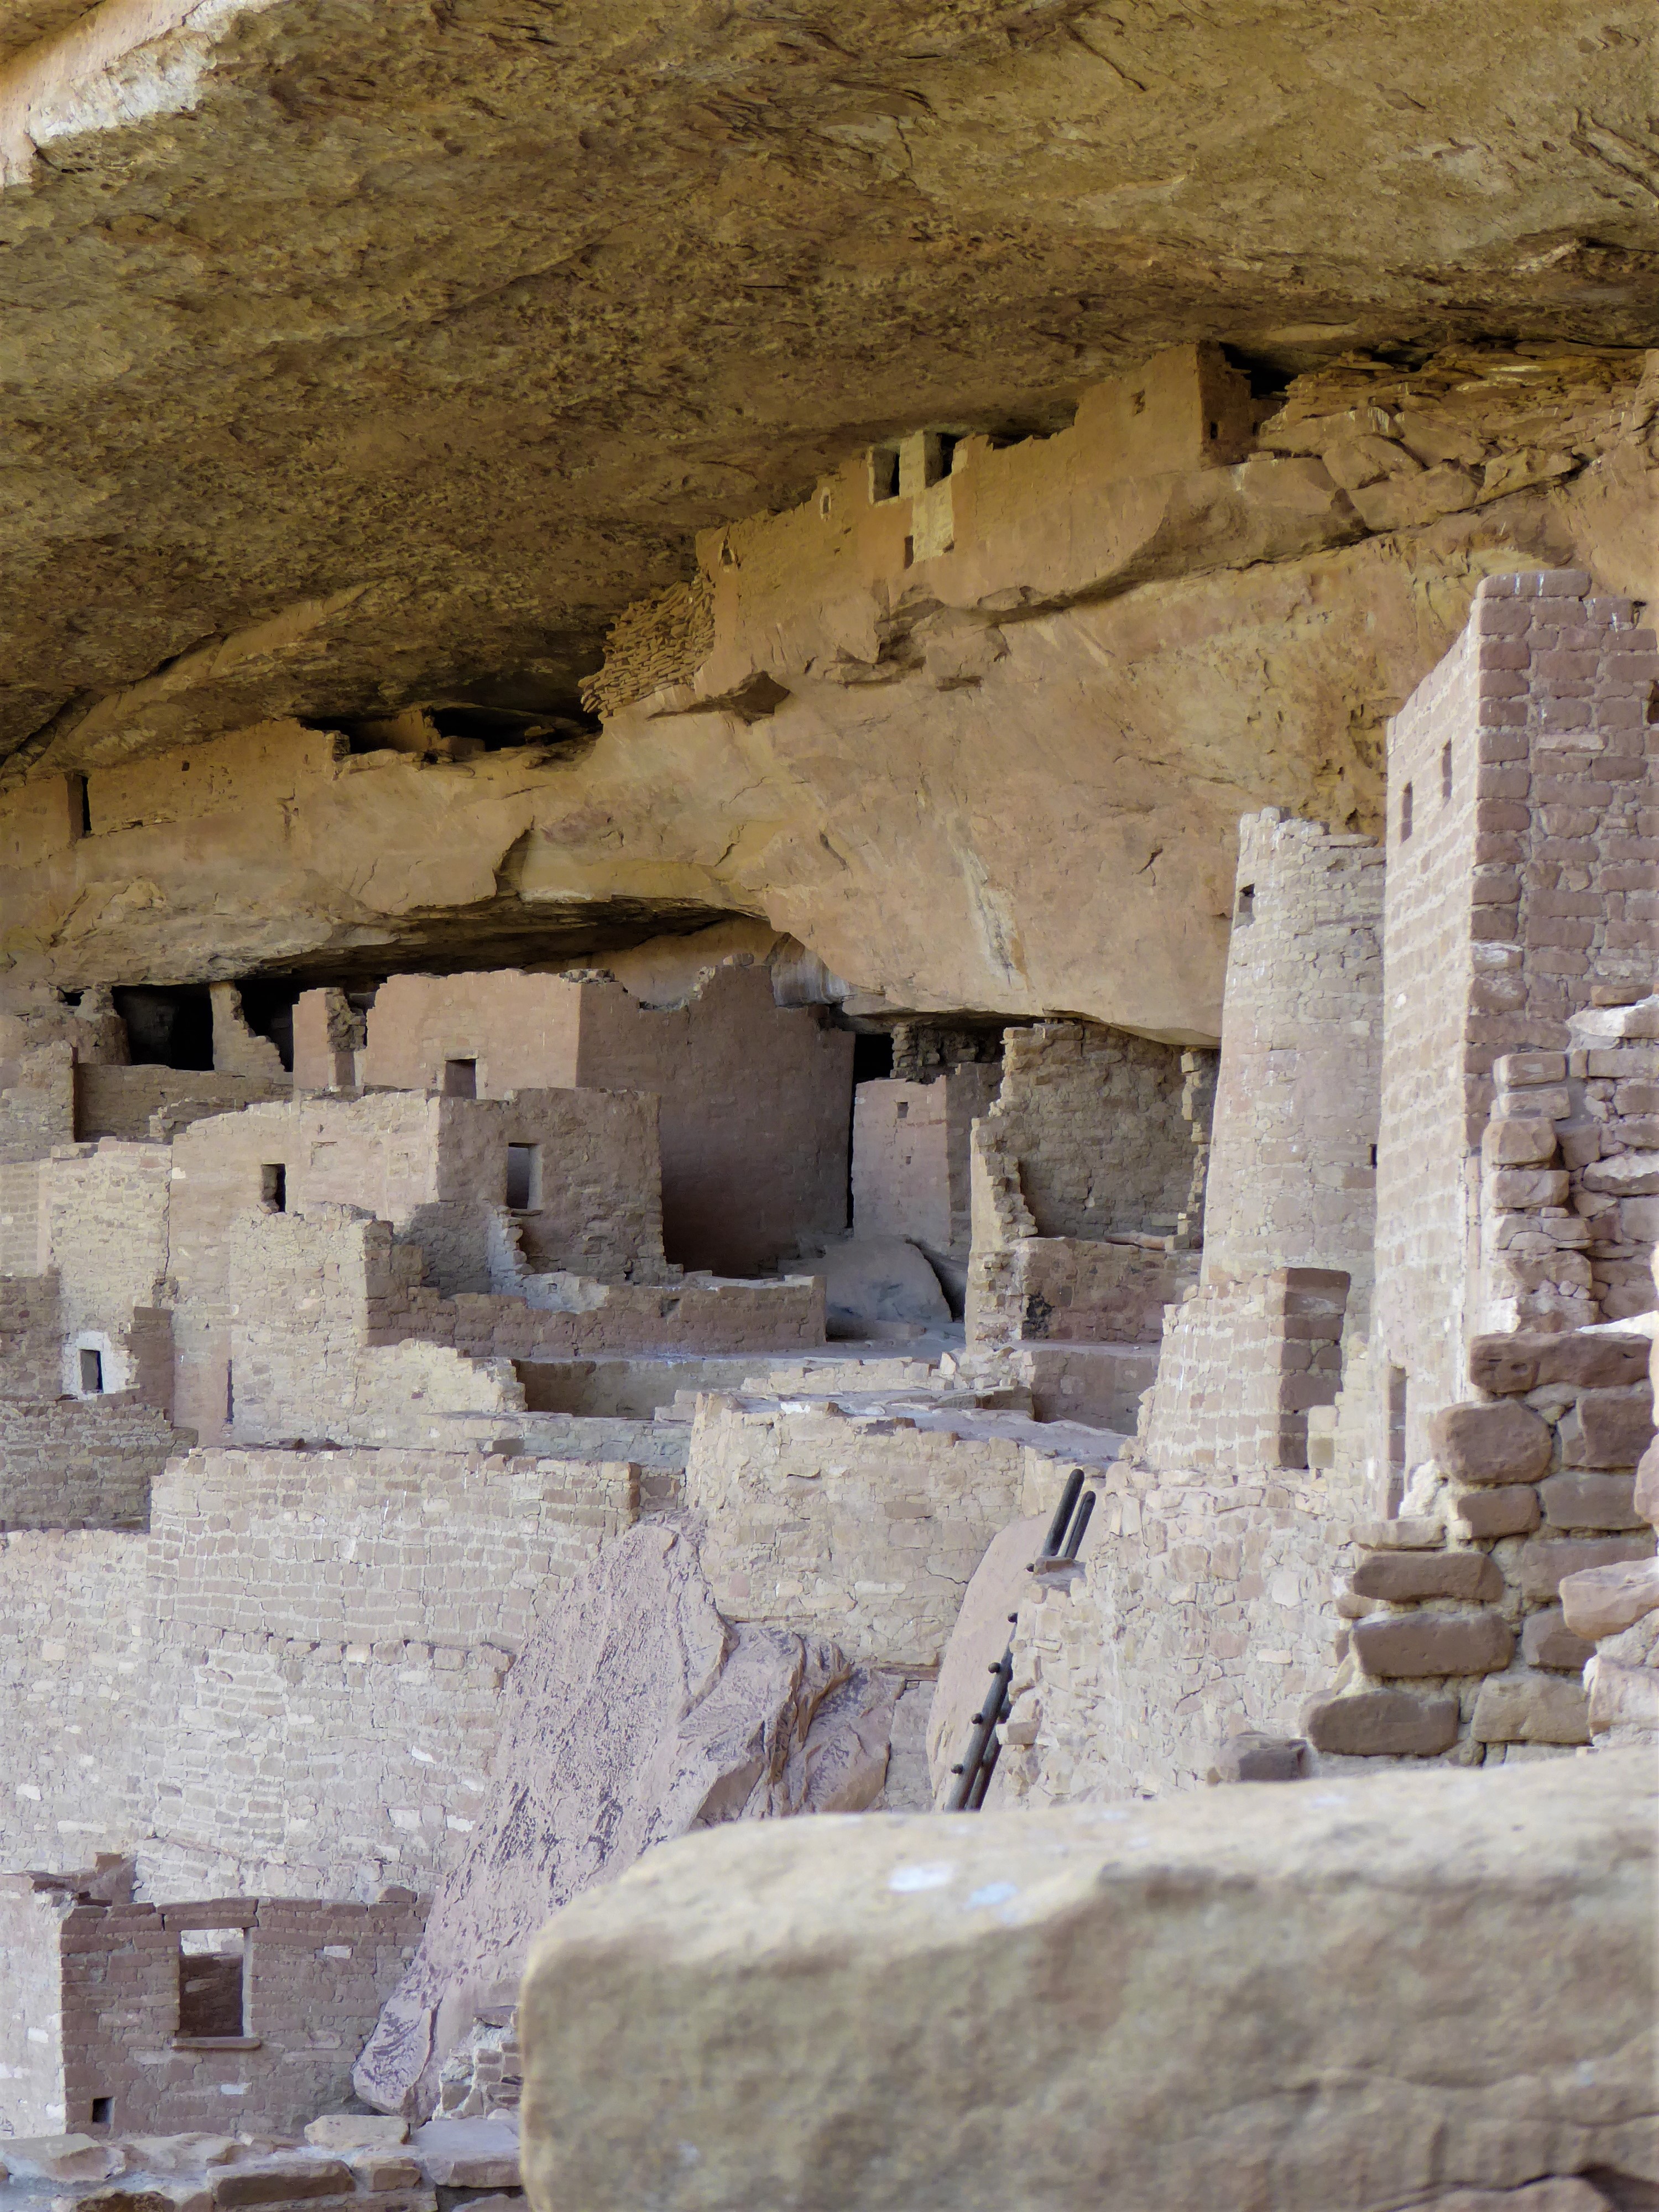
(636, 1713)
(1368, 1994)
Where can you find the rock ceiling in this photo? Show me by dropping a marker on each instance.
(356, 355)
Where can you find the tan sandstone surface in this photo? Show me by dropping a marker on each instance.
(1336, 1995)
(362, 369)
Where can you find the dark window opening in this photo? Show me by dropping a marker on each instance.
(103, 2112)
(211, 1982)
(824, 504)
(1445, 773)
(523, 1177)
(1245, 909)
(909, 552)
(92, 1372)
(872, 1055)
(461, 1078)
(884, 474)
(167, 1025)
(273, 1186)
(1373, 1155)
(938, 455)
(80, 807)
(1405, 814)
(1215, 430)
(268, 1009)
(230, 1395)
(903, 1112)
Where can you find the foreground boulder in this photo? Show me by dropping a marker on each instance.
(1368, 1994)
(636, 1713)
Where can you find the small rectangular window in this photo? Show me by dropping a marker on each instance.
(211, 1982)
(1445, 773)
(884, 474)
(461, 1078)
(92, 1372)
(1245, 909)
(938, 455)
(273, 1186)
(1405, 814)
(523, 1178)
(80, 809)
(103, 2112)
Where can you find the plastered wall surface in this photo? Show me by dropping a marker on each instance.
(435, 1169)
(754, 1098)
(1292, 1157)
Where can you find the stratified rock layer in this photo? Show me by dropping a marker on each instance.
(1319, 1999)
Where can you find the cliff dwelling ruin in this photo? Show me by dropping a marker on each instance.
(829, 1106)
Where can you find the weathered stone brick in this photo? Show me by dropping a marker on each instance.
(1434, 1643)
(1506, 1443)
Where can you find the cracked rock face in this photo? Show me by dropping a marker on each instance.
(361, 367)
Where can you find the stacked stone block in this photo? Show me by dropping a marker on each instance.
(105, 1991)
(292, 1682)
(81, 1463)
(1199, 1611)
(1242, 1364)
(1520, 893)
(1459, 1646)
(1292, 1164)
(863, 1530)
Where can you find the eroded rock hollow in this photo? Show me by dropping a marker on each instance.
(828, 941)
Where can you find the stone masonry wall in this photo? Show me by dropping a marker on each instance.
(1199, 1611)
(30, 1360)
(336, 1710)
(31, 2100)
(866, 1531)
(1292, 1157)
(37, 1101)
(911, 1168)
(311, 1348)
(20, 1218)
(435, 1169)
(1241, 1365)
(105, 1208)
(1456, 1644)
(125, 1102)
(1520, 891)
(78, 1693)
(1093, 1116)
(103, 1982)
(754, 1098)
(81, 1463)
(332, 1334)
